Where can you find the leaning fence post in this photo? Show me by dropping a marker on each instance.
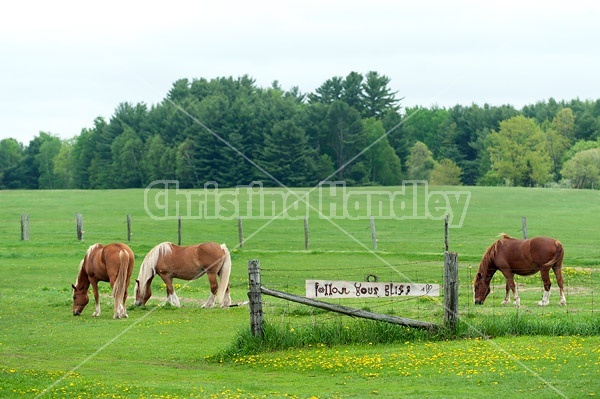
(79, 219)
(446, 233)
(451, 290)
(179, 230)
(255, 298)
(128, 227)
(240, 233)
(524, 224)
(24, 227)
(373, 233)
(306, 232)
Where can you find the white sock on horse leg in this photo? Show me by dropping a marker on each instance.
(173, 300)
(210, 302)
(545, 299)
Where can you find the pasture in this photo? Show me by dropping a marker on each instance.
(165, 352)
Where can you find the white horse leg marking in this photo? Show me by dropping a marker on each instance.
(516, 299)
(545, 299)
(121, 312)
(227, 301)
(210, 302)
(506, 300)
(563, 300)
(97, 311)
(173, 299)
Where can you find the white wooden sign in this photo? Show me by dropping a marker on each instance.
(354, 289)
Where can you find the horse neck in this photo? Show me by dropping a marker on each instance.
(487, 267)
(83, 280)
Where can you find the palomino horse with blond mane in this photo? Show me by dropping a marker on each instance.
(171, 261)
(112, 263)
(523, 257)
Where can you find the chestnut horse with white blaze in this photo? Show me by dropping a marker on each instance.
(112, 263)
(171, 261)
(522, 257)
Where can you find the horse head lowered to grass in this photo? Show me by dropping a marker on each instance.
(171, 261)
(112, 263)
(522, 257)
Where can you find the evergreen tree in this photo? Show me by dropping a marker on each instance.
(11, 154)
(287, 157)
(127, 153)
(384, 165)
(377, 97)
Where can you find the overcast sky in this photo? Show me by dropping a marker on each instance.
(64, 63)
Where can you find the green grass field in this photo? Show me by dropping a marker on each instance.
(161, 352)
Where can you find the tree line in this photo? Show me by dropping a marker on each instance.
(353, 129)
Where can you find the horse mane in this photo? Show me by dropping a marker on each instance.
(88, 253)
(491, 252)
(147, 269)
(504, 236)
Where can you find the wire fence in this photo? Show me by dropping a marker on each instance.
(580, 285)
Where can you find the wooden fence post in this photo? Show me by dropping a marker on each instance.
(524, 224)
(306, 232)
(373, 233)
(446, 233)
(178, 230)
(128, 227)
(240, 233)
(451, 290)
(255, 298)
(79, 219)
(24, 227)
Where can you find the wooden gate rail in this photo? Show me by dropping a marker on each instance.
(450, 300)
(348, 310)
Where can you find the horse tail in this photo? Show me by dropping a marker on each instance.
(120, 286)
(224, 274)
(558, 255)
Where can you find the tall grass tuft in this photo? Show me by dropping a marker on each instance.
(368, 332)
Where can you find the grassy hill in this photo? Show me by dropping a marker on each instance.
(161, 352)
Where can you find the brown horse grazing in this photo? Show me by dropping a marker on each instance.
(523, 257)
(112, 263)
(171, 261)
